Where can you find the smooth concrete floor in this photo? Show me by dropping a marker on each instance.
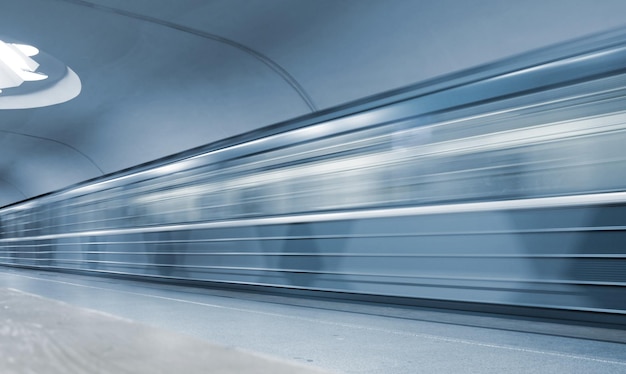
(39, 335)
(314, 334)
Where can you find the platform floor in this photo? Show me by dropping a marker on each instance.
(39, 335)
(199, 327)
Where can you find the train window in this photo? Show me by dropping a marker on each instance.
(9, 225)
(209, 205)
(251, 200)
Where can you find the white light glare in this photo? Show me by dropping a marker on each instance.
(28, 50)
(16, 66)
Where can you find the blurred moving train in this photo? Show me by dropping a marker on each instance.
(503, 185)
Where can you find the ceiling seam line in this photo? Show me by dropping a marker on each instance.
(12, 185)
(273, 65)
(58, 142)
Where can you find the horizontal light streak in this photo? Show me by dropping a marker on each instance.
(535, 203)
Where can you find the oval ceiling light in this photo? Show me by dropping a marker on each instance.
(28, 50)
(26, 83)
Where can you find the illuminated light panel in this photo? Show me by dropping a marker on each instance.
(17, 66)
(22, 83)
(28, 50)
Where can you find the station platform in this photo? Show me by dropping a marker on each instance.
(40, 335)
(67, 323)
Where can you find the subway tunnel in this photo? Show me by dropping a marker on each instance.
(312, 186)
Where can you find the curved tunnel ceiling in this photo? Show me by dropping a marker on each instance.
(161, 76)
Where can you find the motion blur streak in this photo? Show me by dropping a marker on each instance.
(505, 190)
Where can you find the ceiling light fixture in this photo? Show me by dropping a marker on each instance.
(23, 86)
(17, 66)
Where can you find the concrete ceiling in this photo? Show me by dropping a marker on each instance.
(163, 76)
